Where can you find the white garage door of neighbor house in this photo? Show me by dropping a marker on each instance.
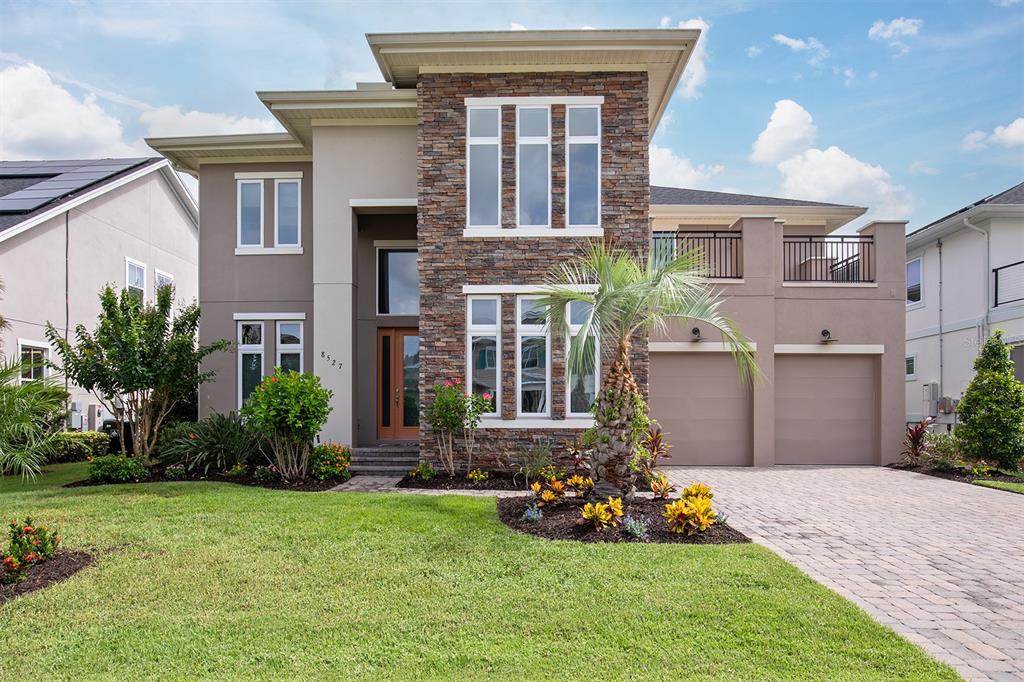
(703, 408)
(826, 409)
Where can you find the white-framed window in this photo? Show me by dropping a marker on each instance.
(289, 345)
(483, 348)
(250, 358)
(250, 213)
(398, 281)
(581, 387)
(160, 279)
(914, 280)
(533, 166)
(911, 367)
(287, 212)
(135, 278)
(34, 355)
(483, 166)
(533, 359)
(583, 165)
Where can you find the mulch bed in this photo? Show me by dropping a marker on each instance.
(958, 475)
(63, 565)
(308, 486)
(559, 523)
(496, 481)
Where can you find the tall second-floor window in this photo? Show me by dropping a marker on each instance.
(583, 135)
(135, 279)
(287, 212)
(533, 166)
(914, 281)
(250, 213)
(483, 167)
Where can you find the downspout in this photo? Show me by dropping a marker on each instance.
(67, 306)
(987, 274)
(938, 242)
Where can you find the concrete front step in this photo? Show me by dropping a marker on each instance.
(389, 459)
(385, 458)
(381, 470)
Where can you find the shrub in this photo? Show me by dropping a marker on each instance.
(536, 464)
(175, 472)
(31, 414)
(172, 433)
(331, 461)
(580, 452)
(662, 487)
(423, 471)
(602, 515)
(116, 469)
(653, 447)
(552, 492)
(992, 409)
(690, 515)
(265, 474)
(695, 490)
(446, 414)
(636, 526)
(914, 446)
(478, 475)
(289, 409)
(237, 471)
(532, 514)
(78, 446)
(942, 451)
(217, 443)
(29, 544)
(580, 485)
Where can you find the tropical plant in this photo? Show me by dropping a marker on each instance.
(580, 485)
(331, 460)
(696, 489)
(477, 475)
(422, 471)
(446, 414)
(535, 462)
(690, 515)
(653, 447)
(288, 409)
(602, 515)
(217, 443)
(992, 409)
(139, 362)
(914, 441)
(633, 298)
(31, 418)
(28, 545)
(662, 487)
(942, 451)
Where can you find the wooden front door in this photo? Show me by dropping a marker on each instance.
(398, 376)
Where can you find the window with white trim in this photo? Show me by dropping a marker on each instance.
(533, 166)
(289, 346)
(287, 212)
(250, 213)
(914, 281)
(911, 367)
(250, 358)
(583, 165)
(581, 387)
(483, 348)
(135, 278)
(161, 279)
(483, 167)
(533, 353)
(34, 360)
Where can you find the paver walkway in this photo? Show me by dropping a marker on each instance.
(940, 562)
(388, 484)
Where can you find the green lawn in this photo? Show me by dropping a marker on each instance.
(1002, 485)
(215, 580)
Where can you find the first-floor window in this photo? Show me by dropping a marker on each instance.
(483, 374)
(135, 279)
(911, 366)
(250, 358)
(33, 359)
(533, 362)
(289, 346)
(582, 384)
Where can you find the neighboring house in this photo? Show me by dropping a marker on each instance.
(398, 234)
(67, 228)
(965, 279)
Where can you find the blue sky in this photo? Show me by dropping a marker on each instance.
(911, 108)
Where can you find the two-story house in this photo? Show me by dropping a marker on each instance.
(965, 279)
(67, 229)
(398, 234)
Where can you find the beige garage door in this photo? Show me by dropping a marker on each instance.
(826, 409)
(702, 406)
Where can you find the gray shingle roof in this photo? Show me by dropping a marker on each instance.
(699, 197)
(1011, 197)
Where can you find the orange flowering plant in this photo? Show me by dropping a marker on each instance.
(29, 544)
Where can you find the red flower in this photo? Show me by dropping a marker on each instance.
(447, 384)
(31, 557)
(273, 380)
(30, 530)
(458, 382)
(487, 396)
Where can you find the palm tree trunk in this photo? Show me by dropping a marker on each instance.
(617, 405)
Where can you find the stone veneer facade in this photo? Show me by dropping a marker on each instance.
(448, 260)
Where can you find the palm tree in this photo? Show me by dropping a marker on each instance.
(630, 298)
(31, 416)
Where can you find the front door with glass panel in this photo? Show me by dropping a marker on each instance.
(398, 376)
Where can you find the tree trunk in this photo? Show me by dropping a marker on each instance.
(616, 407)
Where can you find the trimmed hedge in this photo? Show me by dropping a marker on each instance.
(116, 469)
(78, 446)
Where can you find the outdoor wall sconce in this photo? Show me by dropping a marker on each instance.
(826, 336)
(695, 332)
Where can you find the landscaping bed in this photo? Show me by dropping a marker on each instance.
(961, 475)
(309, 485)
(560, 522)
(495, 481)
(62, 566)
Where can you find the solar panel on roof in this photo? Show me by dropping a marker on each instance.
(60, 178)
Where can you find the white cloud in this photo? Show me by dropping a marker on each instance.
(835, 176)
(42, 120)
(849, 76)
(670, 169)
(665, 22)
(172, 121)
(922, 168)
(1010, 135)
(790, 130)
(873, 75)
(1006, 3)
(516, 27)
(893, 31)
(696, 73)
(753, 51)
(814, 47)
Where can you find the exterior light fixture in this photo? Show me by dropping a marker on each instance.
(826, 336)
(695, 333)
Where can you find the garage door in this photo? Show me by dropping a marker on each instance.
(702, 406)
(826, 409)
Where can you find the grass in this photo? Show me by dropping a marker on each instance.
(1002, 485)
(222, 581)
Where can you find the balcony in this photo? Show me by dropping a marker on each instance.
(722, 252)
(834, 259)
(1009, 283)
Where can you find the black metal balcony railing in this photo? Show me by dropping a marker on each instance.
(722, 251)
(848, 259)
(1009, 283)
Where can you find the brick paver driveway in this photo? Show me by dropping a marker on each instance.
(940, 562)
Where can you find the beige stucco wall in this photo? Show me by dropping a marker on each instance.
(142, 220)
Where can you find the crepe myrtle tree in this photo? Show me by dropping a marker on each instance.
(139, 362)
(629, 298)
